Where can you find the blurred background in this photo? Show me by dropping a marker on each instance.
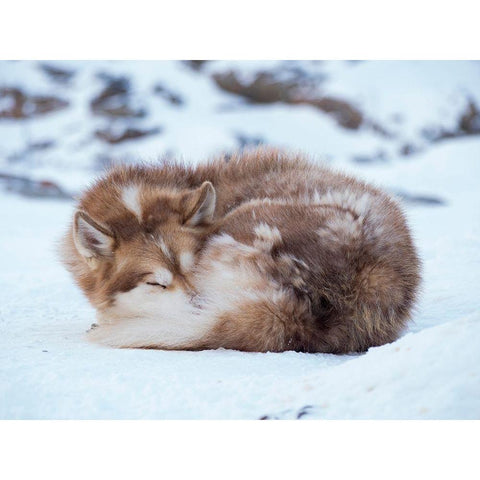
(62, 122)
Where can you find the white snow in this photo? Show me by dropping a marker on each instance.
(47, 368)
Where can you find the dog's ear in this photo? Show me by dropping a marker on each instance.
(199, 205)
(92, 240)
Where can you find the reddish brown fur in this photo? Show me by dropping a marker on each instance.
(344, 261)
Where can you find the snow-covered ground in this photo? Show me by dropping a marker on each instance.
(48, 370)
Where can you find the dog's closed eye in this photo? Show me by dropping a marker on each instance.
(161, 277)
(156, 284)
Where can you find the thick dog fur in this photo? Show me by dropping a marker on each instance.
(265, 252)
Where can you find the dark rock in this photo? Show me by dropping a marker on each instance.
(171, 97)
(304, 411)
(377, 157)
(59, 75)
(41, 145)
(23, 105)
(113, 137)
(196, 65)
(345, 113)
(468, 124)
(266, 87)
(415, 199)
(408, 149)
(115, 99)
(290, 414)
(32, 188)
(376, 127)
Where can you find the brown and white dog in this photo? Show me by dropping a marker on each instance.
(265, 252)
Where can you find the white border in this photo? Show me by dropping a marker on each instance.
(213, 29)
(239, 30)
(239, 449)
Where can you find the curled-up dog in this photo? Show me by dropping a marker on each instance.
(265, 252)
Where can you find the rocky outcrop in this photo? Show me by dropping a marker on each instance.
(468, 124)
(32, 188)
(168, 95)
(266, 87)
(17, 104)
(114, 136)
(58, 75)
(115, 99)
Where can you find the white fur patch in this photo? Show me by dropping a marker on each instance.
(228, 277)
(342, 225)
(267, 236)
(163, 247)
(145, 317)
(358, 202)
(186, 261)
(222, 245)
(131, 200)
(163, 276)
